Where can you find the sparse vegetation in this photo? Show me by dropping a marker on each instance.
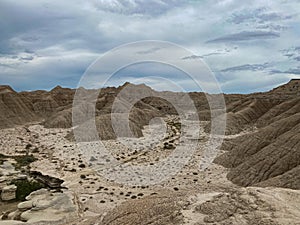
(23, 160)
(177, 125)
(25, 187)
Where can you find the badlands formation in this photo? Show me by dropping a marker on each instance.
(47, 179)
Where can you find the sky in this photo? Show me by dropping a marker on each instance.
(249, 47)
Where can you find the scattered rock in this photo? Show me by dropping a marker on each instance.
(9, 193)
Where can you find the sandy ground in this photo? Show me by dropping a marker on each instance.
(96, 195)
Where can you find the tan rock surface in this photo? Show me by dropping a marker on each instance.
(261, 148)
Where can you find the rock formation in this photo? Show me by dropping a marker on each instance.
(260, 153)
(8, 193)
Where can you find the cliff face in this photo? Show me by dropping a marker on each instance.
(15, 109)
(269, 156)
(54, 109)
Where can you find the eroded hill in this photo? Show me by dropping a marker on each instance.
(268, 155)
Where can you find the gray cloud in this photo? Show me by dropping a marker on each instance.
(292, 53)
(56, 40)
(295, 71)
(258, 15)
(129, 7)
(274, 27)
(13, 61)
(148, 51)
(297, 58)
(201, 56)
(192, 57)
(250, 67)
(246, 36)
(215, 53)
(29, 58)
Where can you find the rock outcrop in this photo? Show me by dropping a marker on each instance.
(45, 206)
(15, 109)
(270, 155)
(8, 193)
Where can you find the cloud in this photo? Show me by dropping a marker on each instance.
(129, 7)
(274, 27)
(258, 15)
(263, 18)
(246, 36)
(294, 71)
(250, 67)
(297, 58)
(202, 56)
(16, 59)
(50, 42)
(27, 58)
(192, 57)
(217, 52)
(152, 50)
(292, 53)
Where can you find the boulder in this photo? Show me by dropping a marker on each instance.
(7, 169)
(9, 193)
(43, 205)
(13, 216)
(23, 206)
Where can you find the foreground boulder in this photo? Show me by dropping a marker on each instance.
(9, 193)
(45, 206)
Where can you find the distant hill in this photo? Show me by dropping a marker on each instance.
(292, 88)
(15, 109)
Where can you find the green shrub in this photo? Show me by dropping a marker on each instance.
(25, 187)
(24, 160)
